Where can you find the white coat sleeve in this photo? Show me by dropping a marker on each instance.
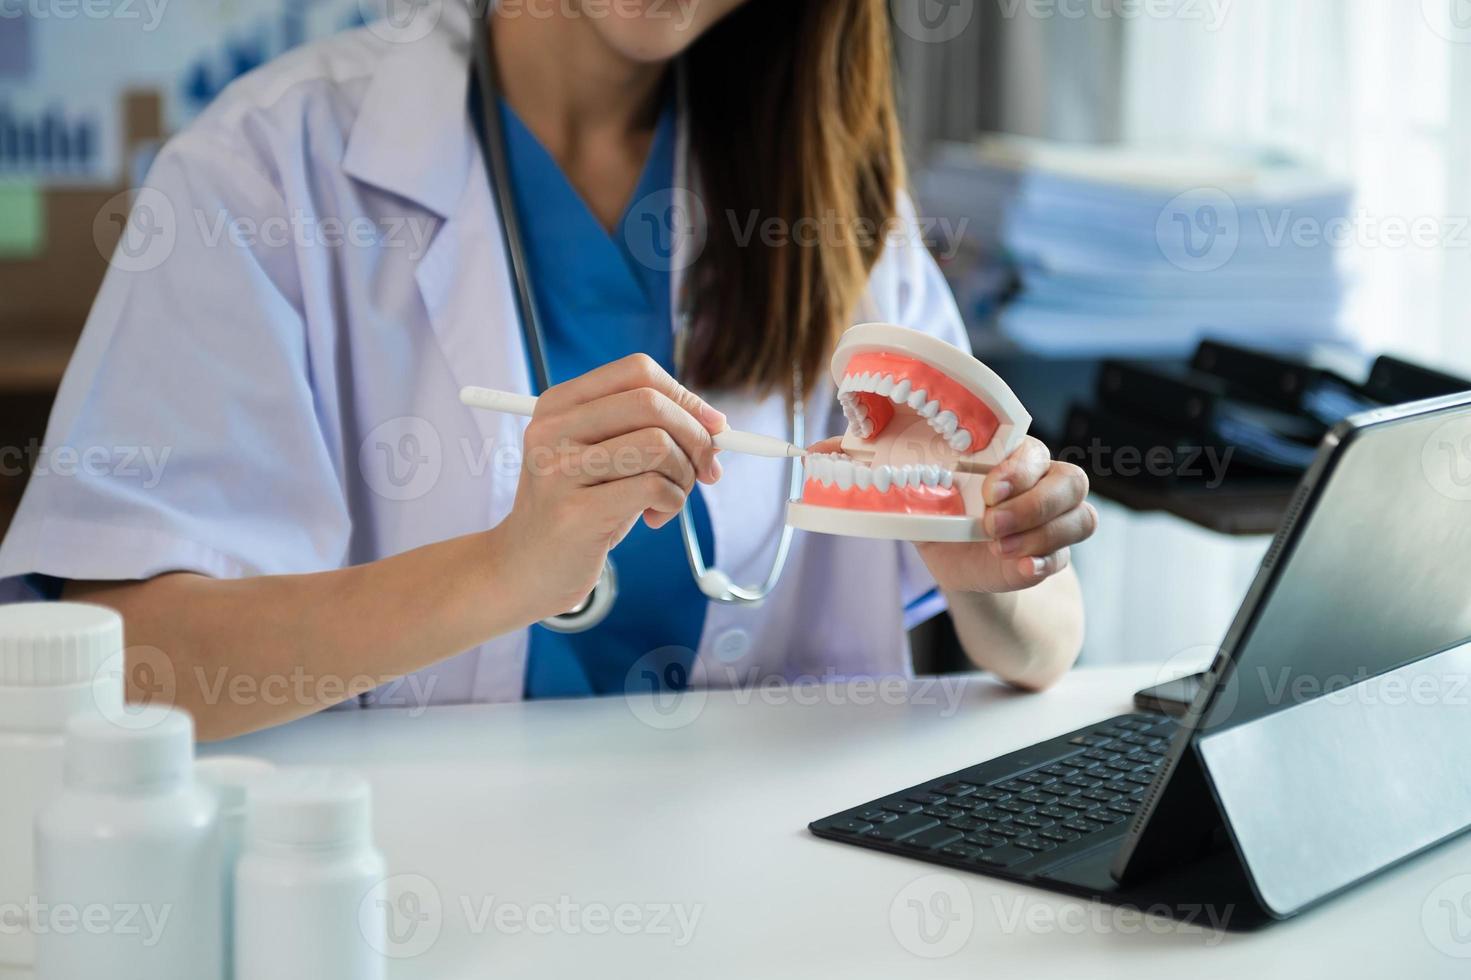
(910, 291)
(186, 434)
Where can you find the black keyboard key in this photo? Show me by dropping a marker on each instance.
(1100, 755)
(1091, 741)
(1003, 857)
(928, 840)
(926, 799)
(876, 816)
(944, 812)
(1059, 834)
(1101, 795)
(1055, 812)
(1126, 807)
(1035, 844)
(1080, 825)
(1078, 803)
(1137, 739)
(1032, 820)
(967, 824)
(1060, 770)
(902, 806)
(904, 827)
(1103, 815)
(1014, 786)
(1142, 778)
(1037, 798)
(1008, 830)
(986, 840)
(1012, 806)
(1082, 780)
(957, 789)
(1125, 765)
(965, 852)
(1038, 779)
(992, 795)
(850, 826)
(1120, 786)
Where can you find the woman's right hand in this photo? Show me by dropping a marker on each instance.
(621, 442)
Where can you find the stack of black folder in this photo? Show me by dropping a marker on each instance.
(1230, 414)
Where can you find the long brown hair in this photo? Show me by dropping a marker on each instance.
(793, 118)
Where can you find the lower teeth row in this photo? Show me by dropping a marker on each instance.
(848, 473)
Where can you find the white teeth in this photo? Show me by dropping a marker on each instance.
(930, 476)
(947, 479)
(960, 442)
(900, 394)
(885, 386)
(883, 478)
(917, 399)
(869, 382)
(846, 385)
(863, 477)
(928, 409)
(843, 474)
(865, 428)
(946, 422)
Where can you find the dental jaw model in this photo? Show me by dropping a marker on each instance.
(926, 422)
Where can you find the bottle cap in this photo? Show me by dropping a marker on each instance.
(231, 777)
(54, 644)
(147, 746)
(309, 807)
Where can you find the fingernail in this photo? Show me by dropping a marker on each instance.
(1034, 566)
(1011, 545)
(1003, 523)
(713, 418)
(715, 470)
(1000, 490)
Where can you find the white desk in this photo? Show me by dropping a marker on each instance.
(585, 804)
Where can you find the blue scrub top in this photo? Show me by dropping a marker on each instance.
(599, 303)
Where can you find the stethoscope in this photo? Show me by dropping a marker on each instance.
(714, 584)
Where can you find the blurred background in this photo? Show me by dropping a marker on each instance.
(1191, 233)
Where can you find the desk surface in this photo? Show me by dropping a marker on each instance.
(566, 839)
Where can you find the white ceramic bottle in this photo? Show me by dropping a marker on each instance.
(52, 656)
(307, 886)
(231, 777)
(128, 863)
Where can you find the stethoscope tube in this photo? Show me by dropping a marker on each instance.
(714, 584)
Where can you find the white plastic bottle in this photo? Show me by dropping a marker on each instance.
(128, 857)
(52, 656)
(306, 887)
(230, 777)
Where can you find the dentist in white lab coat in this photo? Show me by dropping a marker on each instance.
(315, 268)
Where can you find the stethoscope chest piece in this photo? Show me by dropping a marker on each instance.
(594, 609)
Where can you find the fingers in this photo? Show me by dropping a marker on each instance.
(651, 495)
(1018, 473)
(645, 451)
(1063, 488)
(1032, 570)
(632, 411)
(831, 445)
(627, 374)
(1075, 526)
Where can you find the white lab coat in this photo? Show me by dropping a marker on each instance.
(264, 388)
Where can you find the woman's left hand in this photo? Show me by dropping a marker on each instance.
(1036, 509)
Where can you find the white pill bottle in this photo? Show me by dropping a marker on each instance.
(57, 660)
(128, 863)
(308, 884)
(231, 777)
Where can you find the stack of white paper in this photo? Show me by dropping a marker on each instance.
(1119, 252)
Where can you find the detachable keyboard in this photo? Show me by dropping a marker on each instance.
(1022, 812)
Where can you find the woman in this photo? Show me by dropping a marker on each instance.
(326, 517)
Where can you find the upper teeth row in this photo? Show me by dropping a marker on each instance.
(900, 393)
(848, 473)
